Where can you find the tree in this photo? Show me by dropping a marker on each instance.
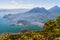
(58, 20)
(53, 26)
(49, 25)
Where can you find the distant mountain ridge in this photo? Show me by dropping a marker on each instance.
(38, 10)
(55, 10)
(37, 15)
(12, 11)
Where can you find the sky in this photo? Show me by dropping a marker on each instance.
(13, 4)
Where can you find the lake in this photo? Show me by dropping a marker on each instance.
(5, 26)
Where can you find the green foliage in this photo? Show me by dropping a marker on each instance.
(53, 26)
(56, 31)
(58, 20)
(25, 36)
(49, 25)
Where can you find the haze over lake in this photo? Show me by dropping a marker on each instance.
(16, 15)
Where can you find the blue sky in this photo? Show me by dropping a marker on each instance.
(11, 4)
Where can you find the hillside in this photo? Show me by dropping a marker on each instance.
(35, 15)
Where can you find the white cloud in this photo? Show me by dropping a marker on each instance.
(19, 5)
(14, 2)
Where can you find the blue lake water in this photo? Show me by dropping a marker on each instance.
(6, 27)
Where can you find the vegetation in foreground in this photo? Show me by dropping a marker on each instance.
(51, 32)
